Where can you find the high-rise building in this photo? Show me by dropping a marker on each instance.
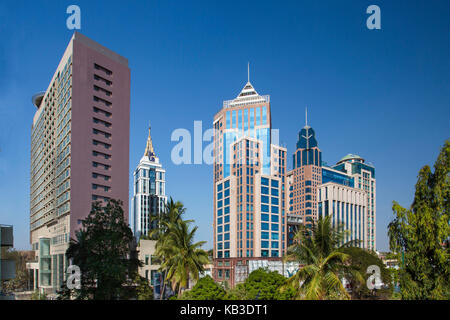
(347, 205)
(304, 180)
(364, 178)
(79, 150)
(345, 191)
(149, 195)
(249, 186)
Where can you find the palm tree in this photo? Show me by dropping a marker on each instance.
(316, 249)
(171, 215)
(184, 258)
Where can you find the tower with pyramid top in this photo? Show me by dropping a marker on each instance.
(149, 191)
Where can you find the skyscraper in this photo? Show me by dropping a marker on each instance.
(79, 150)
(304, 180)
(249, 186)
(364, 179)
(149, 195)
(346, 191)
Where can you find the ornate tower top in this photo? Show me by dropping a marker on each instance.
(149, 151)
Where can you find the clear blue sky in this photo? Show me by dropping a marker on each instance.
(382, 94)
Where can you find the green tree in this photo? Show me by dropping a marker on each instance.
(37, 295)
(419, 235)
(181, 257)
(21, 281)
(205, 289)
(161, 224)
(262, 284)
(360, 260)
(105, 253)
(316, 249)
(143, 289)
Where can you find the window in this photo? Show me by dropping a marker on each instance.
(105, 123)
(99, 67)
(106, 92)
(98, 78)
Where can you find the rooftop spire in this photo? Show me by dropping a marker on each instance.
(306, 118)
(248, 72)
(306, 115)
(149, 148)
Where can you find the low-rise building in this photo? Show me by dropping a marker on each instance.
(7, 267)
(151, 264)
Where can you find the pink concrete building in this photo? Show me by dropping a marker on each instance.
(79, 150)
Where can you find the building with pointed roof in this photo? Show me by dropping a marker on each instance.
(149, 190)
(345, 192)
(304, 179)
(249, 187)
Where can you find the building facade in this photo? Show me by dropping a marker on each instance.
(249, 186)
(150, 265)
(149, 191)
(306, 176)
(346, 192)
(364, 178)
(304, 181)
(79, 150)
(346, 205)
(7, 267)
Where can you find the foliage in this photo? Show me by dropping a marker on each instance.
(36, 295)
(262, 284)
(143, 289)
(104, 252)
(21, 281)
(181, 258)
(205, 289)
(360, 260)
(316, 249)
(420, 235)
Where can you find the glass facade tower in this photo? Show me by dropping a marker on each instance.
(249, 185)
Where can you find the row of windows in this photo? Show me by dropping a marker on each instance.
(105, 113)
(103, 144)
(107, 92)
(235, 118)
(105, 123)
(104, 155)
(99, 186)
(105, 70)
(105, 81)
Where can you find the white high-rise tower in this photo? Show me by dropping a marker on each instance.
(149, 195)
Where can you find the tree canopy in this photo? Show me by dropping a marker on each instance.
(105, 254)
(261, 284)
(316, 249)
(360, 259)
(420, 235)
(205, 289)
